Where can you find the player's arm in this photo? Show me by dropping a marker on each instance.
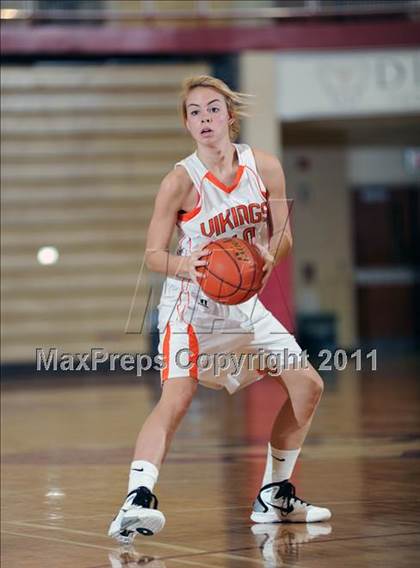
(272, 174)
(168, 202)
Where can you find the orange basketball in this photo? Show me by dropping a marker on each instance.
(234, 273)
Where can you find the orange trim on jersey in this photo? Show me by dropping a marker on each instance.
(221, 185)
(183, 217)
(193, 347)
(189, 214)
(166, 339)
(263, 192)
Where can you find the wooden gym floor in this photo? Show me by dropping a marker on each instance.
(67, 445)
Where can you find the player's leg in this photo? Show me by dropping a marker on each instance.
(139, 512)
(304, 389)
(157, 432)
(277, 500)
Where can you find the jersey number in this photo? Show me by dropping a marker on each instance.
(249, 234)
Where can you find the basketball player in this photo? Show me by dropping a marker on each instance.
(221, 190)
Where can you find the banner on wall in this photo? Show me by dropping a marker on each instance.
(312, 85)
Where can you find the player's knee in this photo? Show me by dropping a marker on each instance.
(178, 394)
(315, 385)
(182, 403)
(306, 405)
(318, 383)
(314, 390)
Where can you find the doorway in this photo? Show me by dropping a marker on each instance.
(386, 239)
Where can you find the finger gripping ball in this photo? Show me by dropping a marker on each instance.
(234, 272)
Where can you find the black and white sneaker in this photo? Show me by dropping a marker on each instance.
(277, 503)
(138, 515)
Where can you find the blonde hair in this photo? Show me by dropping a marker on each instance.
(237, 103)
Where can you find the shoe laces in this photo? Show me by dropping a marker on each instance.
(143, 497)
(287, 492)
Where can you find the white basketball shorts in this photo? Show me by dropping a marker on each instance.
(219, 345)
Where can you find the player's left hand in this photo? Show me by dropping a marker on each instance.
(269, 263)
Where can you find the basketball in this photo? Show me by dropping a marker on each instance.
(234, 272)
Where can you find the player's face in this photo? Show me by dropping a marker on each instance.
(207, 116)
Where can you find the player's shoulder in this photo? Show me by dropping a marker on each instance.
(176, 181)
(266, 163)
(271, 172)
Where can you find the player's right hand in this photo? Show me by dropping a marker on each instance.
(197, 258)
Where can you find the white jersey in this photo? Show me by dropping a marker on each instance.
(191, 322)
(221, 211)
(224, 211)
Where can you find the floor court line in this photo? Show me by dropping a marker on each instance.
(65, 541)
(61, 540)
(103, 535)
(185, 561)
(364, 537)
(323, 541)
(189, 562)
(194, 551)
(144, 543)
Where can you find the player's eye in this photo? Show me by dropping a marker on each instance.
(214, 109)
(194, 112)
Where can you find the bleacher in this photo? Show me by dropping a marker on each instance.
(84, 150)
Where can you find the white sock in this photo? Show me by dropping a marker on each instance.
(142, 473)
(279, 465)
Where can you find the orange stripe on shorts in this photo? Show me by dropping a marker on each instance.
(193, 347)
(166, 339)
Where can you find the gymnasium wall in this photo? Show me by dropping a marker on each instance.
(380, 164)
